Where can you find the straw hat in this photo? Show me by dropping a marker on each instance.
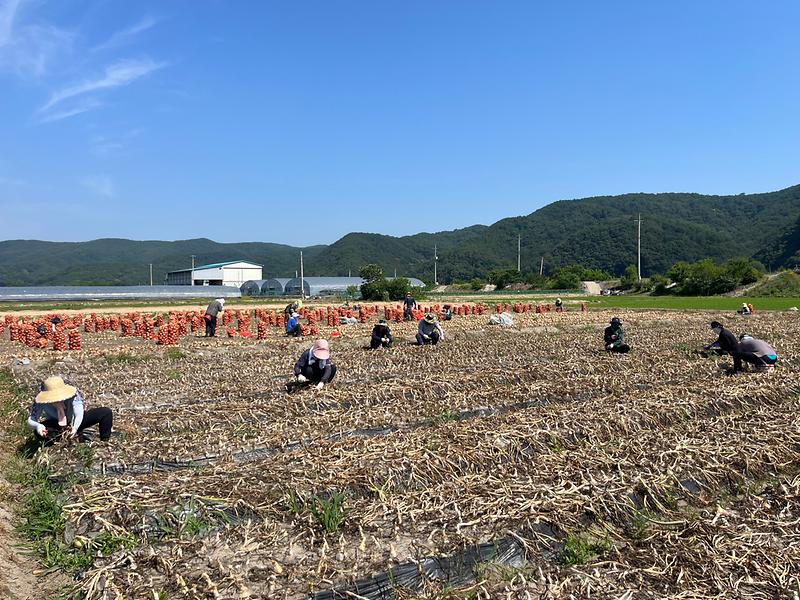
(430, 318)
(55, 390)
(321, 350)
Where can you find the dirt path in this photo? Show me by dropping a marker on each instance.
(17, 581)
(18, 564)
(592, 287)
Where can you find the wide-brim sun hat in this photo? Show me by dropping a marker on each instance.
(55, 390)
(321, 350)
(430, 318)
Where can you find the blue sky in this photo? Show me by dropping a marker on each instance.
(298, 122)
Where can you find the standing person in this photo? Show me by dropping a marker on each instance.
(293, 327)
(314, 365)
(726, 343)
(757, 352)
(62, 407)
(559, 305)
(409, 304)
(215, 307)
(292, 307)
(614, 337)
(429, 331)
(381, 336)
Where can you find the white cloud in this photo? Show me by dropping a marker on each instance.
(119, 74)
(101, 185)
(29, 49)
(124, 36)
(76, 108)
(105, 145)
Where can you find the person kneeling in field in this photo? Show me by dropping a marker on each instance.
(614, 337)
(757, 352)
(293, 327)
(429, 331)
(314, 365)
(62, 407)
(381, 336)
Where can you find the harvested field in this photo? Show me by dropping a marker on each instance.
(518, 463)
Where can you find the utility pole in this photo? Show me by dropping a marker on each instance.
(639, 247)
(435, 261)
(519, 251)
(151, 273)
(192, 275)
(302, 284)
(541, 267)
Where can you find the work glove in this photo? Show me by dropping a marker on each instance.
(610, 347)
(426, 337)
(41, 430)
(301, 378)
(320, 385)
(385, 340)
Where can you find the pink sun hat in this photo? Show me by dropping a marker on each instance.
(321, 350)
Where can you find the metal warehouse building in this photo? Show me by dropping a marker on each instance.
(233, 273)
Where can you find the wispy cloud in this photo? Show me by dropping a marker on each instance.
(120, 73)
(124, 36)
(28, 49)
(85, 105)
(104, 145)
(101, 185)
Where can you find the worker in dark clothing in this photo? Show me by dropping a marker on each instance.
(429, 331)
(381, 336)
(293, 327)
(726, 343)
(292, 307)
(314, 366)
(447, 313)
(757, 353)
(614, 337)
(559, 305)
(409, 304)
(212, 312)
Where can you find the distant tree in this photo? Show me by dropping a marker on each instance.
(658, 285)
(397, 288)
(371, 273)
(629, 277)
(476, 284)
(502, 278)
(352, 291)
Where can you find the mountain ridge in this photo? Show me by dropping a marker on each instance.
(597, 232)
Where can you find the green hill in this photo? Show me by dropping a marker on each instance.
(596, 232)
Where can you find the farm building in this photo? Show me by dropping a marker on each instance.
(275, 286)
(232, 273)
(252, 287)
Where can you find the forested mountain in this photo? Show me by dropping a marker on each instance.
(597, 232)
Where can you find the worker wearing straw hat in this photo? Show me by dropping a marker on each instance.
(381, 335)
(62, 407)
(429, 330)
(314, 365)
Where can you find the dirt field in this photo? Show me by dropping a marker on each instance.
(504, 463)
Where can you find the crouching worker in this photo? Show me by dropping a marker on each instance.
(429, 331)
(314, 366)
(293, 327)
(63, 409)
(381, 336)
(214, 309)
(614, 337)
(726, 343)
(758, 353)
